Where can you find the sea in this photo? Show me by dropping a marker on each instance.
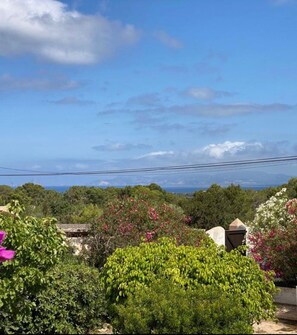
(171, 189)
(167, 189)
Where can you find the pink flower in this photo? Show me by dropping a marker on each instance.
(291, 206)
(5, 255)
(149, 235)
(2, 236)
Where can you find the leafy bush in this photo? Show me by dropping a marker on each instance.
(189, 267)
(163, 308)
(39, 245)
(273, 236)
(271, 214)
(128, 221)
(86, 215)
(71, 303)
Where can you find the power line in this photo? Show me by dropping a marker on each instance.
(21, 170)
(173, 168)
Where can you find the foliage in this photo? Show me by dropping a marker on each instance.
(192, 268)
(273, 236)
(39, 245)
(71, 303)
(163, 308)
(271, 214)
(212, 207)
(218, 206)
(88, 214)
(276, 250)
(6, 194)
(291, 187)
(130, 220)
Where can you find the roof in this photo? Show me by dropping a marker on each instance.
(237, 225)
(4, 209)
(75, 229)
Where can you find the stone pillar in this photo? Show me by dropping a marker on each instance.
(217, 234)
(237, 225)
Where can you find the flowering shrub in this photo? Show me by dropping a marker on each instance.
(271, 214)
(5, 254)
(273, 236)
(129, 221)
(291, 206)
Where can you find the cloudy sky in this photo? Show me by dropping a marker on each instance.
(102, 85)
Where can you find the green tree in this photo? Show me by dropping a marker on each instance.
(208, 208)
(218, 206)
(6, 194)
(292, 188)
(76, 195)
(32, 197)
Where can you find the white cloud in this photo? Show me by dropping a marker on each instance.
(157, 154)
(36, 167)
(116, 146)
(230, 148)
(168, 40)
(81, 166)
(205, 93)
(49, 30)
(104, 183)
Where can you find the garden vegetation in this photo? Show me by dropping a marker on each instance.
(149, 266)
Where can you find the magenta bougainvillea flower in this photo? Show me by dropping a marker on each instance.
(5, 255)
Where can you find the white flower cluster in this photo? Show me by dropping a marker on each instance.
(272, 213)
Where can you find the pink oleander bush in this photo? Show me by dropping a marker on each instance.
(273, 242)
(5, 255)
(129, 221)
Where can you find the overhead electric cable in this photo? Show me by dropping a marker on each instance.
(173, 168)
(21, 170)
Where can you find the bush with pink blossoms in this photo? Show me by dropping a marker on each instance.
(130, 221)
(274, 246)
(5, 255)
(291, 206)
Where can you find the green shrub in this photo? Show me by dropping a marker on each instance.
(71, 303)
(39, 245)
(191, 268)
(130, 220)
(163, 308)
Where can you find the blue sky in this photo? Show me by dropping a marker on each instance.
(89, 85)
